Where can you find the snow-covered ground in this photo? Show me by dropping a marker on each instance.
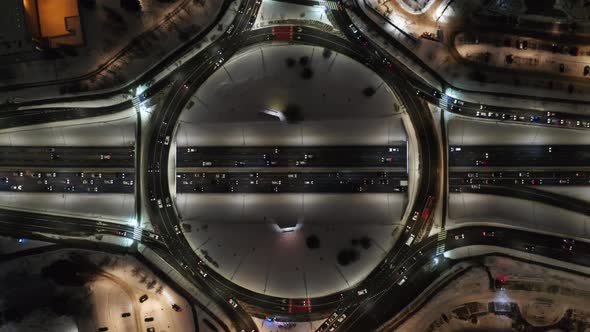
(240, 233)
(227, 106)
(467, 209)
(119, 208)
(115, 285)
(111, 130)
(547, 301)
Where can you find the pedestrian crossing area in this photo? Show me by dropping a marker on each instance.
(332, 5)
(137, 232)
(136, 103)
(440, 247)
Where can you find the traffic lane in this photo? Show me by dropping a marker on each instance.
(534, 156)
(490, 112)
(394, 156)
(71, 157)
(533, 194)
(20, 223)
(79, 182)
(291, 182)
(19, 118)
(560, 248)
(390, 293)
(507, 178)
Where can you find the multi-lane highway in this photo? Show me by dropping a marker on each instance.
(72, 182)
(522, 156)
(106, 156)
(295, 181)
(285, 156)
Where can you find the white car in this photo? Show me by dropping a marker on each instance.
(416, 215)
(19, 187)
(233, 303)
(402, 281)
(341, 318)
(459, 236)
(362, 292)
(202, 273)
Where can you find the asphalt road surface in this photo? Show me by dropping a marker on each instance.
(292, 182)
(345, 156)
(531, 156)
(78, 182)
(107, 156)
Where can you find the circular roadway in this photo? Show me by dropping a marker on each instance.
(239, 232)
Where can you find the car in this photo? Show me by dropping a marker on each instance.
(353, 29)
(109, 181)
(233, 303)
(458, 102)
(402, 280)
(17, 187)
(143, 298)
(94, 189)
(529, 248)
(54, 156)
(308, 182)
(148, 319)
(362, 292)
(251, 20)
(4, 180)
(176, 307)
(125, 314)
(488, 234)
(333, 317)
(459, 236)
(36, 175)
(177, 229)
(416, 215)
(18, 174)
(189, 150)
(127, 182)
(241, 8)
(207, 163)
(51, 175)
(105, 156)
(202, 273)
(481, 163)
(230, 29)
(534, 118)
(168, 204)
(341, 318)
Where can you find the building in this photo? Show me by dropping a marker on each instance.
(53, 23)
